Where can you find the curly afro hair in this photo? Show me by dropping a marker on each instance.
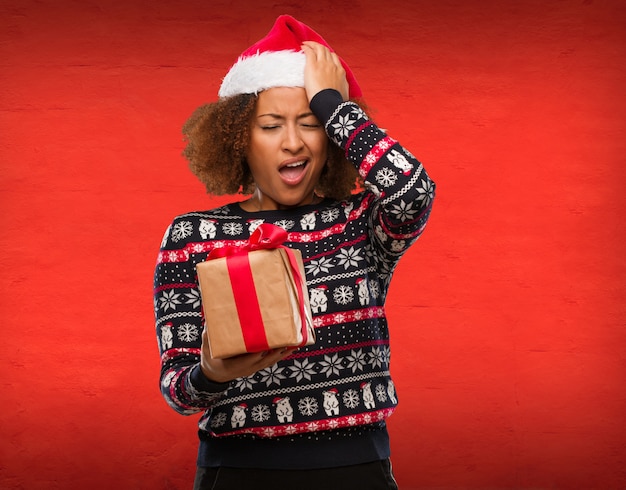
(217, 136)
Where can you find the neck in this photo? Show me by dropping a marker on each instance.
(258, 203)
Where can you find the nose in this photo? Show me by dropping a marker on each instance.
(292, 140)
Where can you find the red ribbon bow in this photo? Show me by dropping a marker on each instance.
(265, 236)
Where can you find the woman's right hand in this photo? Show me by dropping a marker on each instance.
(230, 368)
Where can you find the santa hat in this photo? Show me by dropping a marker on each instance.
(277, 60)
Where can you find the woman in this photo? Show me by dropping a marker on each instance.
(287, 133)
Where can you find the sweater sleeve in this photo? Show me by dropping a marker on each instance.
(402, 191)
(179, 327)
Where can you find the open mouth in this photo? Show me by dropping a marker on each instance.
(293, 172)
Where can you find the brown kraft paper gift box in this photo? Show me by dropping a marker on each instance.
(229, 303)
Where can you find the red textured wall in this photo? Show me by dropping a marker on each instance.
(508, 316)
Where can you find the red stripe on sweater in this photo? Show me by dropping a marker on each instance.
(316, 426)
(375, 154)
(348, 316)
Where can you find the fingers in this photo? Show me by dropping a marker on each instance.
(248, 364)
(318, 48)
(320, 53)
(323, 70)
(257, 361)
(222, 370)
(271, 357)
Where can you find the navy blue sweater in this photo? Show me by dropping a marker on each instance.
(326, 404)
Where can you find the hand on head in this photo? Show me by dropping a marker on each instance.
(323, 70)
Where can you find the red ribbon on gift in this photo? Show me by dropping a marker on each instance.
(265, 236)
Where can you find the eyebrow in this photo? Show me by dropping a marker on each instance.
(278, 116)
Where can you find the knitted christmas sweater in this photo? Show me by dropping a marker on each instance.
(340, 388)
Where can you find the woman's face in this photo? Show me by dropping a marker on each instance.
(287, 150)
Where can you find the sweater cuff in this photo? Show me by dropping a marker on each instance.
(324, 103)
(201, 383)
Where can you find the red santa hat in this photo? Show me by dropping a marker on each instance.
(277, 60)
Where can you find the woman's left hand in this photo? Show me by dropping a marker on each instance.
(323, 70)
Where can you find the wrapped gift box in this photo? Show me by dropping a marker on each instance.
(255, 300)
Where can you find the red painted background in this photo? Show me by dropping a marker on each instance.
(508, 316)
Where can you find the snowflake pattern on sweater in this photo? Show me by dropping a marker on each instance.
(349, 249)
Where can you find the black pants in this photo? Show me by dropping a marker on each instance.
(368, 476)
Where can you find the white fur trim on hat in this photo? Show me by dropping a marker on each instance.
(261, 71)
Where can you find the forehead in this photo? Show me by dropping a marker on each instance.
(282, 101)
